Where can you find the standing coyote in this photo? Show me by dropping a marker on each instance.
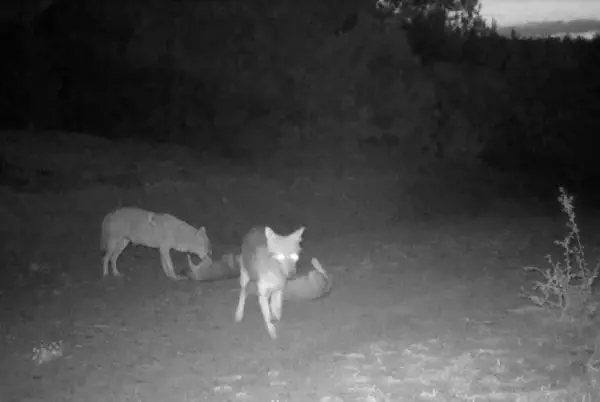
(267, 259)
(162, 231)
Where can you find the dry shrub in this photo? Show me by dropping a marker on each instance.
(567, 284)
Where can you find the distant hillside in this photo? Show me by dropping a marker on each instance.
(552, 28)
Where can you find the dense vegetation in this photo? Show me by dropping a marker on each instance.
(249, 80)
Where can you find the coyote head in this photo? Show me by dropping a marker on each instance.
(285, 249)
(200, 246)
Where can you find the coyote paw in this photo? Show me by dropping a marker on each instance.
(179, 278)
(239, 315)
(272, 330)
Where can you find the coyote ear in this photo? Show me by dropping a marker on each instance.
(270, 234)
(202, 231)
(298, 234)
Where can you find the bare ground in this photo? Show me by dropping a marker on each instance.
(418, 312)
(423, 308)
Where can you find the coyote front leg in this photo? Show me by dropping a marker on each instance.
(244, 280)
(167, 263)
(276, 304)
(263, 301)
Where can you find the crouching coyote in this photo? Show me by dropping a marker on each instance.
(163, 231)
(267, 259)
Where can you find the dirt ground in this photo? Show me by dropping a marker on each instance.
(424, 306)
(420, 311)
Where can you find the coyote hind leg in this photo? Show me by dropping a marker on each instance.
(113, 251)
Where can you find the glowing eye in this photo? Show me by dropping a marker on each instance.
(279, 257)
(294, 257)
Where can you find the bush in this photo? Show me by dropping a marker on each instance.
(567, 284)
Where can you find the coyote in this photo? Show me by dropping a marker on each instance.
(311, 286)
(267, 259)
(162, 231)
